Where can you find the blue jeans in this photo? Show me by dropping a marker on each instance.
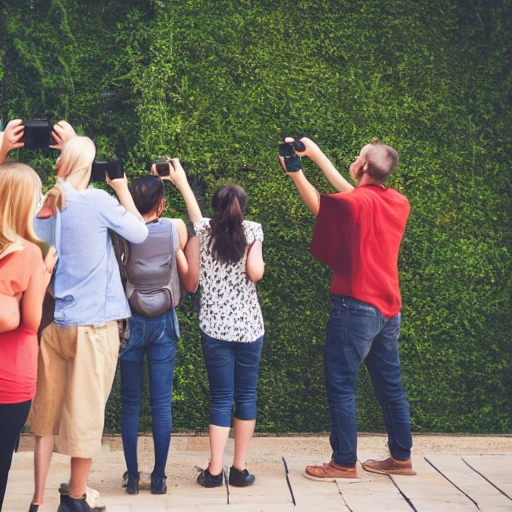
(232, 369)
(357, 332)
(156, 338)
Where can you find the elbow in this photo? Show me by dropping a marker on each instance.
(190, 284)
(138, 236)
(255, 275)
(32, 324)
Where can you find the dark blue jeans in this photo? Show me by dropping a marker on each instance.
(155, 338)
(232, 369)
(357, 332)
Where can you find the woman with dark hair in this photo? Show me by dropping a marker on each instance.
(154, 270)
(231, 323)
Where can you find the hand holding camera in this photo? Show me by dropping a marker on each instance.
(104, 172)
(11, 138)
(118, 182)
(171, 170)
(62, 131)
(288, 154)
(162, 168)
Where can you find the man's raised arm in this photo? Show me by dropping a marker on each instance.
(307, 191)
(314, 153)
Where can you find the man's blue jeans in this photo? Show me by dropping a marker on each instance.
(156, 338)
(357, 332)
(232, 369)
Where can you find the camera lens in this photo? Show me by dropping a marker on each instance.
(298, 146)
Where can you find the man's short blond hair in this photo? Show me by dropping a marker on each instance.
(381, 159)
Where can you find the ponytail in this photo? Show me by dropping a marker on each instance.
(228, 242)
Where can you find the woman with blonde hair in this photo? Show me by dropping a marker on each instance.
(79, 349)
(23, 281)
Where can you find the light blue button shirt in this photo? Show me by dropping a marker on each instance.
(87, 285)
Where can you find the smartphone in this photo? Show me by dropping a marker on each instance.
(114, 169)
(37, 134)
(292, 161)
(162, 168)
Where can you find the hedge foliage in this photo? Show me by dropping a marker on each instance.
(219, 83)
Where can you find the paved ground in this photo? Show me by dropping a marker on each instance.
(455, 473)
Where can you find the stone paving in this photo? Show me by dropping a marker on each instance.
(454, 473)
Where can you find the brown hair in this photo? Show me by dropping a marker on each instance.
(20, 191)
(147, 192)
(381, 159)
(228, 241)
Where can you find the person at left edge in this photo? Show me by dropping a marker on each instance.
(23, 280)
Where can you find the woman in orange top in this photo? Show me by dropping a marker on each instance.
(24, 277)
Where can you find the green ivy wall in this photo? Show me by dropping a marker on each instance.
(219, 83)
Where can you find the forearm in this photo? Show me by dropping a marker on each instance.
(330, 172)
(188, 265)
(255, 266)
(193, 210)
(126, 200)
(308, 192)
(3, 154)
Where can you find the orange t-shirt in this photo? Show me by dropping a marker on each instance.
(18, 348)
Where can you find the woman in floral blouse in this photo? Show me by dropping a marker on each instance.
(231, 323)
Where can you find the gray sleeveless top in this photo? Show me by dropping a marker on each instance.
(153, 285)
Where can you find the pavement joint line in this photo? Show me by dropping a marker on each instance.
(485, 478)
(288, 480)
(453, 483)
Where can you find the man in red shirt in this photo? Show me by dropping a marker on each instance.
(358, 234)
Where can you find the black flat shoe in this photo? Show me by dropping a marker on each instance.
(33, 507)
(132, 484)
(239, 478)
(206, 479)
(158, 485)
(69, 504)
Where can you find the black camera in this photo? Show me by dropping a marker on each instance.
(37, 134)
(162, 166)
(292, 161)
(100, 170)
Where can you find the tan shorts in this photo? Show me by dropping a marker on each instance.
(76, 369)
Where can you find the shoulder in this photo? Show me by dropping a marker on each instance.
(27, 256)
(98, 195)
(32, 250)
(201, 227)
(253, 230)
(176, 223)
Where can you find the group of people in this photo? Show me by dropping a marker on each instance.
(57, 248)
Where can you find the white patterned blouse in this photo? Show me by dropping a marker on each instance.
(229, 307)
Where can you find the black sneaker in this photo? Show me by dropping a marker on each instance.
(158, 485)
(239, 478)
(206, 479)
(69, 504)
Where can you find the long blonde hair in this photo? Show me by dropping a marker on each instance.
(20, 191)
(75, 162)
(73, 165)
